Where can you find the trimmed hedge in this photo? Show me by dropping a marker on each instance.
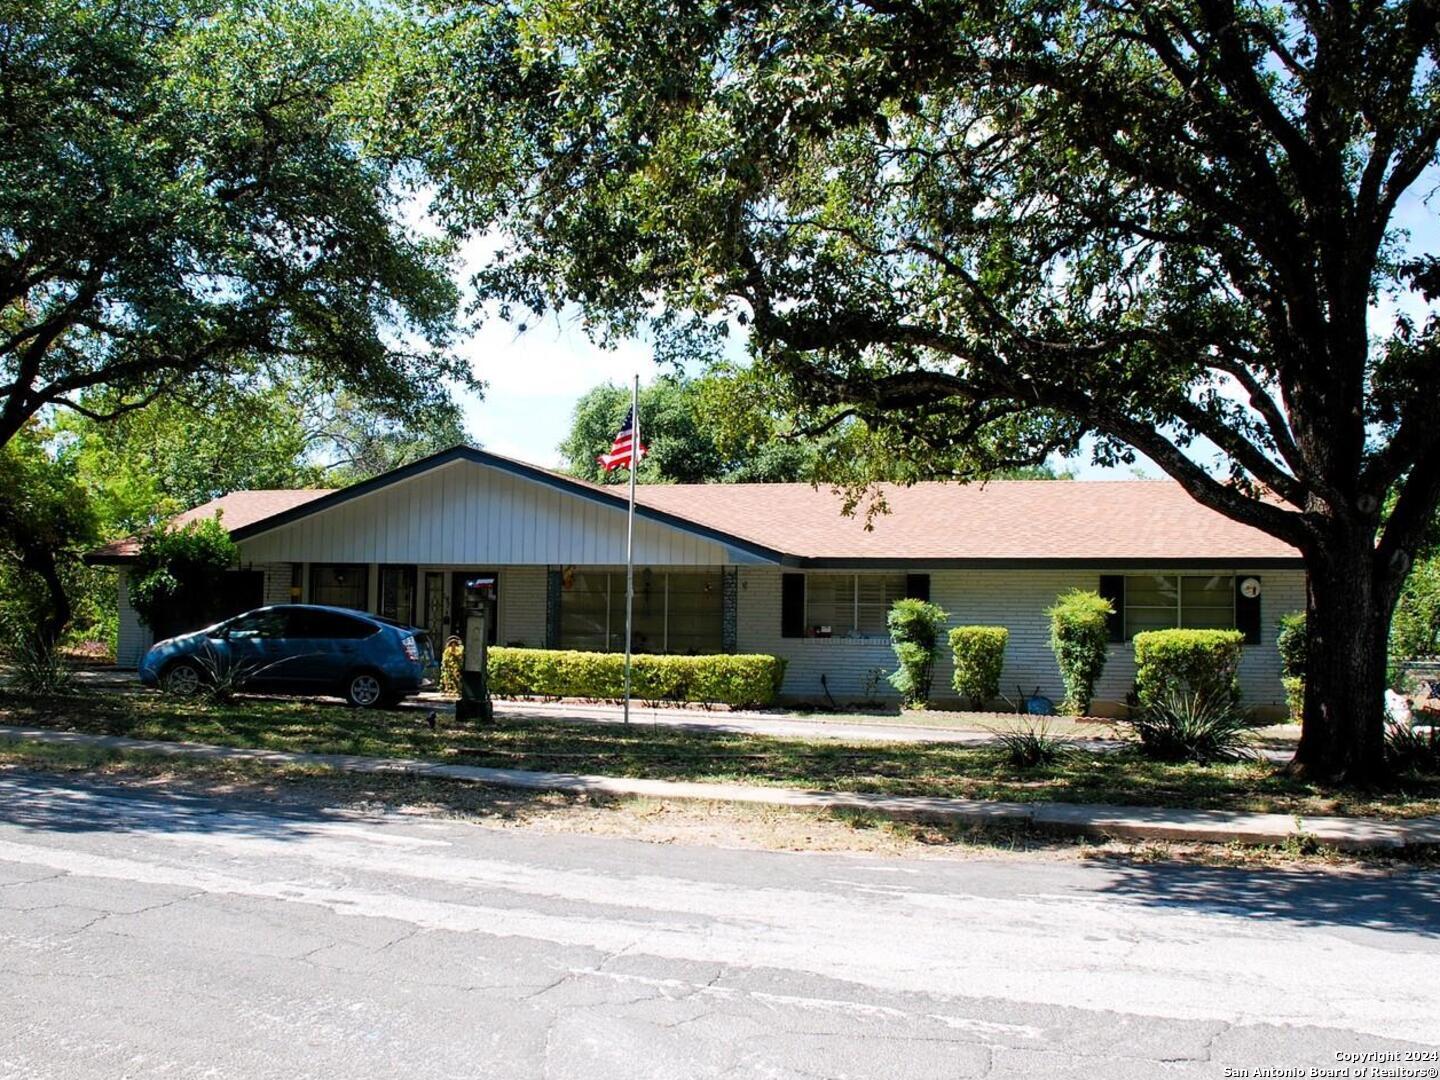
(979, 653)
(915, 636)
(722, 679)
(1080, 640)
(1188, 662)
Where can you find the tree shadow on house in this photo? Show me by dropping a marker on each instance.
(1401, 900)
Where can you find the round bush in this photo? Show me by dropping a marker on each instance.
(1204, 663)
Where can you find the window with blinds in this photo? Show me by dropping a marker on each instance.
(850, 605)
(1167, 601)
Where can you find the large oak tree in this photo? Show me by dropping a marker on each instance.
(183, 202)
(992, 230)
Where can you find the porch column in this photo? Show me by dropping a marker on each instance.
(729, 609)
(552, 608)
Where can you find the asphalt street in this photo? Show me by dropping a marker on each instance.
(150, 933)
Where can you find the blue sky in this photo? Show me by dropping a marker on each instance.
(533, 380)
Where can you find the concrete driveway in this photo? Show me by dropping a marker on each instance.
(146, 933)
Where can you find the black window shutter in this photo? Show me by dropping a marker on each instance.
(1247, 613)
(1112, 588)
(792, 605)
(917, 587)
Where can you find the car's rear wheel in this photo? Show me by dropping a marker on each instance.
(364, 690)
(182, 679)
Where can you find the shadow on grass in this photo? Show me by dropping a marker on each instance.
(1404, 901)
(670, 753)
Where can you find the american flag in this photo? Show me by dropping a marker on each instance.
(620, 450)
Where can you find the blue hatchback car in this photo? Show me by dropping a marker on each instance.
(297, 649)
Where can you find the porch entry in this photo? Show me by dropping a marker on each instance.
(443, 597)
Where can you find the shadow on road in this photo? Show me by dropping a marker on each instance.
(1405, 901)
(46, 803)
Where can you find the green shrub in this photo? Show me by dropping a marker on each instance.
(1080, 639)
(1192, 727)
(1292, 643)
(915, 637)
(1294, 697)
(723, 679)
(979, 653)
(178, 573)
(1204, 662)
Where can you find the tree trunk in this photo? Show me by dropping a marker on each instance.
(40, 560)
(1348, 610)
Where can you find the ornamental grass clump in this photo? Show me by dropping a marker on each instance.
(1080, 639)
(979, 653)
(915, 637)
(1192, 727)
(1028, 746)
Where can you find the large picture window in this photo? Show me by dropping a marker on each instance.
(344, 585)
(680, 612)
(850, 605)
(1167, 601)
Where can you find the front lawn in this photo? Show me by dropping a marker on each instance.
(665, 753)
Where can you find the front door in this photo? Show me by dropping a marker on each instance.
(435, 621)
(457, 603)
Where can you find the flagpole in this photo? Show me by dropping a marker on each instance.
(630, 533)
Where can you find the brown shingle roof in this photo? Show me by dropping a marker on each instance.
(236, 510)
(1070, 521)
(1078, 520)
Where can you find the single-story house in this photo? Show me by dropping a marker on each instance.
(758, 568)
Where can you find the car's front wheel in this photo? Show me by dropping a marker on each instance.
(182, 679)
(364, 690)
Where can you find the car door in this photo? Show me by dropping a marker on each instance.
(332, 646)
(253, 640)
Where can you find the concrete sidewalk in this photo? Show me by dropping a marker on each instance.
(1129, 822)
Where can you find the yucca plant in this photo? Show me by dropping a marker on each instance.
(37, 666)
(1193, 727)
(1030, 745)
(1412, 750)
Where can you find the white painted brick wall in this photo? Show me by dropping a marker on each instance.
(1015, 599)
(134, 636)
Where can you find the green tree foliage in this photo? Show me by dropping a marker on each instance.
(979, 653)
(46, 522)
(915, 636)
(1416, 628)
(182, 203)
(1080, 640)
(989, 230)
(697, 429)
(148, 464)
(177, 574)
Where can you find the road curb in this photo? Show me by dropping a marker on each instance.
(1126, 822)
